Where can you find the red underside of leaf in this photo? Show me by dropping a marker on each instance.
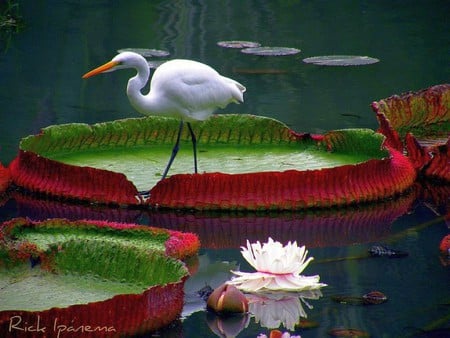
(416, 109)
(5, 178)
(348, 184)
(440, 163)
(344, 185)
(400, 112)
(73, 182)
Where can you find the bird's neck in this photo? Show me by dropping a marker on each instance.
(139, 101)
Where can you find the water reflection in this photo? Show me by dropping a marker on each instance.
(41, 85)
(316, 228)
(273, 310)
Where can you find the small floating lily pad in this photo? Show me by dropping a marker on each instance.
(238, 44)
(271, 51)
(145, 52)
(341, 60)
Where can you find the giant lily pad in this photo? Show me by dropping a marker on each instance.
(425, 113)
(246, 162)
(114, 277)
(420, 123)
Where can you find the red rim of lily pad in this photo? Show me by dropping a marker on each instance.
(122, 314)
(387, 174)
(425, 112)
(5, 179)
(419, 122)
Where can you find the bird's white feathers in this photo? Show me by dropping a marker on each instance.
(193, 90)
(180, 88)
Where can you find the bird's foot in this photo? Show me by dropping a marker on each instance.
(143, 195)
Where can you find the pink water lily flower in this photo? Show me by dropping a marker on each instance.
(278, 268)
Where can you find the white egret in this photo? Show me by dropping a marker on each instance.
(185, 89)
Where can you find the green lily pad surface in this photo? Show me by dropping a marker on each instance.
(140, 148)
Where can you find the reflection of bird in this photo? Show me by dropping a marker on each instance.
(185, 89)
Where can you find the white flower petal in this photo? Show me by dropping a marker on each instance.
(278, 268)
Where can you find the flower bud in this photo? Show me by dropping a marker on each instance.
(227, 299)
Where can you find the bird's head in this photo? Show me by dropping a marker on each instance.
(120, 61)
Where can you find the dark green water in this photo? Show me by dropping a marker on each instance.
(40, 84)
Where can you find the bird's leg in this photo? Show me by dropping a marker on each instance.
(174, 151)
(194, 145)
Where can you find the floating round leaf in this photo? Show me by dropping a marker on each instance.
(341, 60)
(110, 162)
(271, 51)
(145, 52)
(95, 273)
(238, 44)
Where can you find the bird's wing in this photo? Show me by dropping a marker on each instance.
(194, 90)
(197, 96)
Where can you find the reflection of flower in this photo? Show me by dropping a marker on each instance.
(275, 309)
(277, 334)
(278, 268)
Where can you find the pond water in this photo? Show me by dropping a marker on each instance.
(40, 84)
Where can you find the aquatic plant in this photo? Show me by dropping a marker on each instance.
(278, 268)
(419, 122)
(88, 162)
(341, 60)
(119, 256)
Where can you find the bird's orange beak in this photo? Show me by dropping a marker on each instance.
(107, 66)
